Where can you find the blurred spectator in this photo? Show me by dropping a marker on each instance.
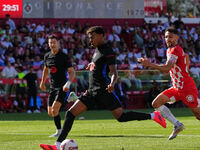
(10, 58)
(2, 63)
(116, 27)
(78, 27)
(153, 92)
(10, 22)
(40, 27)
(134, 81)
(80, 52)
(31, 79)
(28, 39)
(195, 70)
(178, 23)
(82, 82)
(39, 72)
(22, 27)
(83, 62)
(113, 37)
(6, 105)
(6, 43)
(37, 61)
(1, 31)
(126, 28)
(160, 52)
(138, 38)
(41, 38)
(70, 29)
(124, 64)
(168, 23)
(115, 47)
(134, 63)
(19, 104)
(27, 61)
(21, 87)
(9, 71)
(193, 58)
(122, 56)
(85, 27)
(149, 46)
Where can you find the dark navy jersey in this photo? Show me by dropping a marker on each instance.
(102, 58)
(57, 65)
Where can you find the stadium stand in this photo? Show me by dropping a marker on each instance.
(27, 44)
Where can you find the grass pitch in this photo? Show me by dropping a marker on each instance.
(99, 131)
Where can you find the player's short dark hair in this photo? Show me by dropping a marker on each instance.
(171, 30)
(96, 29)
(53, 37)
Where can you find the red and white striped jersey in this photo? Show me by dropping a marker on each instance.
(179, 73)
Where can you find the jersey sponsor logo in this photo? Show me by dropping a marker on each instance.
(190, 98)
(53, 69)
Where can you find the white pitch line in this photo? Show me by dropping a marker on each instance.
(22, 133)
(153, 135)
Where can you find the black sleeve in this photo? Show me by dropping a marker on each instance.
(67, 61)
(110, 56)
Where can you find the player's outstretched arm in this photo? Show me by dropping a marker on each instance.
(162, 67)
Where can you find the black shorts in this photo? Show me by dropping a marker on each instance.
(108, 100)
(57, 94)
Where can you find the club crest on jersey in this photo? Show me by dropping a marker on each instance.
(53, 69)
(190, 98)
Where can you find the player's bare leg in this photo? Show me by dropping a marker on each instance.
(49, 109)
(56, 108)
(53, 111)
(158, 104)
(74, 111)
(131, 116)
(196, 112)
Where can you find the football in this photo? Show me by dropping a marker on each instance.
(69, 144)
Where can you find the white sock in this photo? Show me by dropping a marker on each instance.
(58, 131)
(152, 115)
(57, 144)
(166, 113)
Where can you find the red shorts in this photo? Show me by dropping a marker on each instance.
(189, 97)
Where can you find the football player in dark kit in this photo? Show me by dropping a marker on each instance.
(58, 65)
(101, 89)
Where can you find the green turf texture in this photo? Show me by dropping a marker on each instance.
(99, 131)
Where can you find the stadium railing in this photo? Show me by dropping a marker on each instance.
(138, 82)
